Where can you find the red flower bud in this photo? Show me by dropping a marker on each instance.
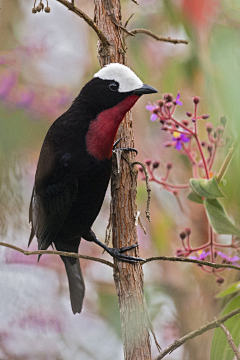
(168, 97)
(148, 162)
(169, 166)
(220, 280)
(196, 100)
(161, 103)
(185, 122)
(169, 105)
(189, 114)
(205, 117)
(188, 231)
(155, 164)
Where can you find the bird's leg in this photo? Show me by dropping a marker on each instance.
(114, 252)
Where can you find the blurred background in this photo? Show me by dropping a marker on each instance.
(45, 59)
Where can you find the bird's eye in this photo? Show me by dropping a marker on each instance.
(113, 87)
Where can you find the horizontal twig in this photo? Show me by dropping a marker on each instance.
(157, 37)
(55, 252)
(88, 20)
(214, 324)
(195, 261)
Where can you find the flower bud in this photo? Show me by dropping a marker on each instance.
(161, 103)
(203, 143)
(220, 129)
(47, 9)
(34, 10)
(148, 162)
(168, 97)
(169, 166)
(209, 127)
(42, 5)
(176, 192)
(196, 100)
(189, 114)
(165, 128)
(168, 144)
(220, 280)
(205, 117)
(223, 120)
(188, 231)
(179, 252)
(155, 164)
(140, 169)
(162, 121)
(183, 235)
(39, 8)
(193, 120)
(169, 105)
(209, 148)
(185, 122)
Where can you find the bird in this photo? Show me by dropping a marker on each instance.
(74, 169)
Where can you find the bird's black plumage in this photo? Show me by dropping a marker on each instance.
(71, 182)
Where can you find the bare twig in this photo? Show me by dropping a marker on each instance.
(230, 341)
(147, 186)
(135, 2)
(55, 252)
(199, 262)
(157, 37)
(88, 20)
(126, 23)
(212, 325)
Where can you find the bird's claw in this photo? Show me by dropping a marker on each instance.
(118, 254)
(126, 248)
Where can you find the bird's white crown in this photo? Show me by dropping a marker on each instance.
(127, 79)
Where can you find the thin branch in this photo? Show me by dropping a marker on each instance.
(230, 341)
(88, 20)
(135, 2)
(200, 262)
(212, 325)
(55, 252)
(157, 37)
(147, 212)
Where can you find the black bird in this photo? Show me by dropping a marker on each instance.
(74, 169)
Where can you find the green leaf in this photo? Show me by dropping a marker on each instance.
(230, 290)
(206, 188)
(219, 219)
(220, 349)
(195, 197)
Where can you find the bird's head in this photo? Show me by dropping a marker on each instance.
(111, 94)
(113, 84)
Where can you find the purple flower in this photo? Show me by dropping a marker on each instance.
(178, 139)
(151, 108)
(177, 101)
(229, 259)
(202, 254)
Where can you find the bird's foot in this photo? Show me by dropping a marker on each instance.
(118, 254)
(119, 151)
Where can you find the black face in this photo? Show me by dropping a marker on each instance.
(103, 94)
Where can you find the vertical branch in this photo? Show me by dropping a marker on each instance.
(128, 277)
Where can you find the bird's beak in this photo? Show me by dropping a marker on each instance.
(145, 89)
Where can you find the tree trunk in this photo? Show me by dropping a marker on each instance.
(128, 278)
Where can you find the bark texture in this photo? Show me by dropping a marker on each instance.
(128, 278)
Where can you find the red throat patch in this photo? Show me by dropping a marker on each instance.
(102, 131)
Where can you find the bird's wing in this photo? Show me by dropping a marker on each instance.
(54, 191)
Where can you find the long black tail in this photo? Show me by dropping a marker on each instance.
(74, 273)
(76, 283)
